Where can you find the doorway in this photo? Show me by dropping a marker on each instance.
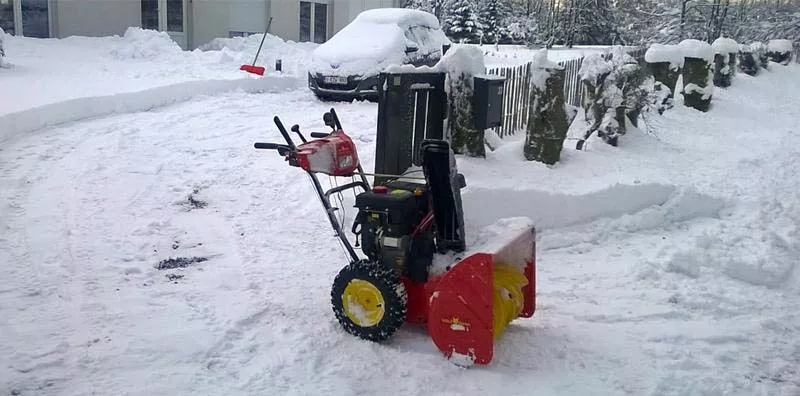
(167, 16)
(29, 18)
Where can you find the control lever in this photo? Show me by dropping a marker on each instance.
(283, 149)
(296, 129)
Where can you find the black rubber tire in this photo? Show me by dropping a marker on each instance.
(392, 290)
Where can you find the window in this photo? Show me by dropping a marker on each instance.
(7, 16)
(313, 21)
(305, 21)
(174, 15)
(320, 22)
(150, 14)
(35, 19)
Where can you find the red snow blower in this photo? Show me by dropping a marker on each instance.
(405, 230)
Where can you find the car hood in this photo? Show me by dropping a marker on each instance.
(360, 49)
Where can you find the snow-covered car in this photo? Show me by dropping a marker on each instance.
(348, 65)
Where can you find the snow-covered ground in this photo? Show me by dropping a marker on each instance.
(666, 266)
(47, 71)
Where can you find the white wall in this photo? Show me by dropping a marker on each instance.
(344, 11)
(248, 15)
(286, 22)
(209, 21)
(95, 17)
(217, 18)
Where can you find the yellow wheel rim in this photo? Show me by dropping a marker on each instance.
(363, 303)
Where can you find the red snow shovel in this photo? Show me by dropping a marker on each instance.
(253, 68)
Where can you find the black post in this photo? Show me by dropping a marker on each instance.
(411, 108)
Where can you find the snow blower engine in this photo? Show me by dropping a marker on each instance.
(410, 234)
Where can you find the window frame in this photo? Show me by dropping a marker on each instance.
(312, 31)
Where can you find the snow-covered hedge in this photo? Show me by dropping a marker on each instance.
(698, 74)
(780, 51)
(664, 63)
(749, 58)
(547, 116)
(614, 88)
(725, 50)
(462, 63)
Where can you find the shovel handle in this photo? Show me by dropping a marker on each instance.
(262, 41)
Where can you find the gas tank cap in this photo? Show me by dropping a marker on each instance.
(380, 189)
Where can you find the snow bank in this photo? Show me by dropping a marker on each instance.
(554, 210)
(295, 57)
(22, 122)
(138, 43)
(691, 48)
(759, 250)
(246, 44)
(779, 45)
(724, 45)
(658, 53)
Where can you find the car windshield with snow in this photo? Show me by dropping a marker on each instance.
(348, 65)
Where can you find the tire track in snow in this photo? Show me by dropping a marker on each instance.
(40, 272)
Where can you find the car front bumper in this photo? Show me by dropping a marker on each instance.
(356, 87)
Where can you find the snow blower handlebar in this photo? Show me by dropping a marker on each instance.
(333, 154)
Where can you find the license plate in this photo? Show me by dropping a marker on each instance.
(336, 80)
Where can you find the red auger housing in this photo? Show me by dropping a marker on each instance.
(414, 265)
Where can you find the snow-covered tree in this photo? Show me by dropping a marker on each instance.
(461, 21)
(492, 18)
(547, 117)
(697, 73)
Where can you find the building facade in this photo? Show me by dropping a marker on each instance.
(190, 23)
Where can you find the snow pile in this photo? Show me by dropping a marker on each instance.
(766, 257)
(462, 59)
(508, 238)
(594, 65)
(706, 91)
(243, 44)
(724, 45)
(539, 66)
(692, 48)
(757, 47)
(658, 53)
(295, 57)
(402, 17)
(779, 45)
(753, 48)
(376, 39)
(360, 49)
(138, 43)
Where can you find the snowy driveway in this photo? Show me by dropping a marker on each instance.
(695, 292)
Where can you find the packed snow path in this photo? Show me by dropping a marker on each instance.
(681, 281)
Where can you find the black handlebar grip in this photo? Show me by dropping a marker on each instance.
(319, 135)
(267, 146)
